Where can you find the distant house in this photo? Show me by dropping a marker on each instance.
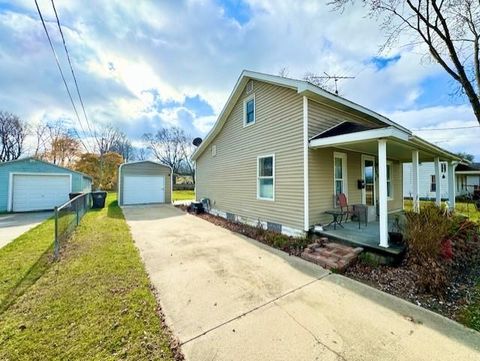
(467, 179)
(282, 149)
(30, 184)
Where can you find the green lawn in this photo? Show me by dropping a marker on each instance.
(467, 209)
(95, 303)
(471, 315)
(183, 195)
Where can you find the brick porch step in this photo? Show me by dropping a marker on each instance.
(331, 255)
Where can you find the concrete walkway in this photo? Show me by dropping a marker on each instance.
(227, 297)
(13, 225)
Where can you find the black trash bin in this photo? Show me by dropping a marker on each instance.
(98, 199)
(74, 194)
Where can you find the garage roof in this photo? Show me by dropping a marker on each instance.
(42, 161)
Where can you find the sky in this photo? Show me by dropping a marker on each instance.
(144, 65)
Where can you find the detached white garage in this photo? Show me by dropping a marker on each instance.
(144, 182)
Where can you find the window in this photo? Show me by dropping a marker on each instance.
(249, 111)
(443, 167)
(339, 174)
(214, 150)
(266, 177)
(433, 183)
(389, 181)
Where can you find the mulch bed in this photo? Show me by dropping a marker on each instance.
(400, 281)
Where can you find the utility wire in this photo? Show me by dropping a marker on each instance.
(61, 72)
(91, 133)
(454, 128)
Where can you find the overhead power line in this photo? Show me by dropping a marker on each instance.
(61, 72)
(92, 133)
(454, 128)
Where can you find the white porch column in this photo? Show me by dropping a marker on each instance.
(382, 190)
(438, 183)
(415, 175)
(451, 185)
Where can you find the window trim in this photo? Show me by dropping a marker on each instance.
(273, 177)
(432, 176)
(245, 101)
(392, 192)
(344, 158)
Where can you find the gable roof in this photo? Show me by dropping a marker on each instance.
(340, 129)
(316, 93)
(302, 87)
(144, 161)
(45, 162)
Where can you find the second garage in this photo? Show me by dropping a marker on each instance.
(144, 182)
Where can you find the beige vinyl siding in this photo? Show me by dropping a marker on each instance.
(322, 117)
(150, 169)
(321, 184)
(229, 179)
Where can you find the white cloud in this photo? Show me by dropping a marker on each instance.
(124, 51)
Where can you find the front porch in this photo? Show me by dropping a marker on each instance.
(367, 236)
(367, 168)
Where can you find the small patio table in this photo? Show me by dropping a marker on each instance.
(337, 218)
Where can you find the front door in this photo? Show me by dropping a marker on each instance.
(368, 174)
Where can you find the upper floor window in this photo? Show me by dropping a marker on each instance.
(249, 110)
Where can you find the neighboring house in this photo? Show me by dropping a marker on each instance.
(282, 148)
(467, 179)
(30, 184)
(144, 182)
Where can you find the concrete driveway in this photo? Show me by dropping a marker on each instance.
(13, 225)
(227, 297)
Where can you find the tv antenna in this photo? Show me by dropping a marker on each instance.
(336, 78)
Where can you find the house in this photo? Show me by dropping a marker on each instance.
(31, 184)
(282, 149)
(467, 179)
(144, 182)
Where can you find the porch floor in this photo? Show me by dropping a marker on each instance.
(368, 236)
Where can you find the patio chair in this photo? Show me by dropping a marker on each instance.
(347, 211)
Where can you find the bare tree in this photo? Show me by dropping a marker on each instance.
(283, 72)
(124, 147)
(107, 138)
(12, 136)
(170, 146)
(56, 143)
(450, 29)
(141, 153)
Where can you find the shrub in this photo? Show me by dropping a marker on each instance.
(439, 244)
(425, 231)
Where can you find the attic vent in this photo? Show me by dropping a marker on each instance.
(214, 150)
(250, 86)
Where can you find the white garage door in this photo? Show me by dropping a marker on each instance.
(143, 189)
(39, 192)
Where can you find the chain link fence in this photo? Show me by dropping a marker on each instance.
(67, 218)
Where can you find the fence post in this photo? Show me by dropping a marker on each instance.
(56, 245)
(76, 210)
